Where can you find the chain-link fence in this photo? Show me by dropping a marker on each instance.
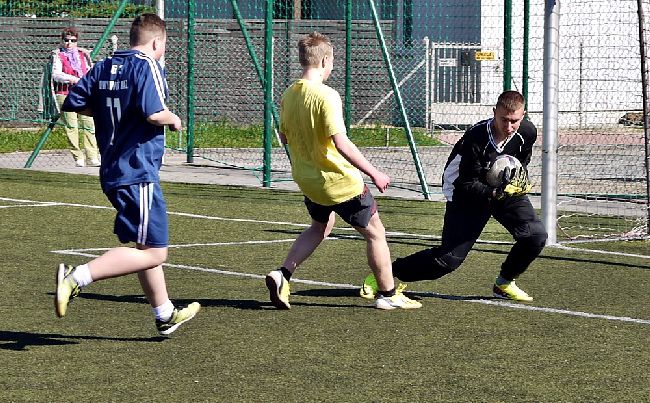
(449, 60)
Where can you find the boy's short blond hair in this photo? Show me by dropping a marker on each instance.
(312, 48)
(145, 27)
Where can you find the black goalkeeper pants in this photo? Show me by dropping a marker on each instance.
(463, 224)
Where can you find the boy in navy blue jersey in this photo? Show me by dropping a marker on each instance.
(125, 94)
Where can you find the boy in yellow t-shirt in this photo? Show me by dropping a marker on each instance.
(325, 164)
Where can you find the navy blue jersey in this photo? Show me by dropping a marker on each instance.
(468, 163)
(122, 91)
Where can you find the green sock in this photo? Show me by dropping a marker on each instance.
(501, 281)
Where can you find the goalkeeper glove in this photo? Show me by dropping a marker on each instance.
(514, 183)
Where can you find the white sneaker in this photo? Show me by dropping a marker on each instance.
(94, 162)
(80, 163)
(398, 300)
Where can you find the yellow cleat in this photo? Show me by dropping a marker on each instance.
(66, 289)
(279, 289)
(510, 291)
(179, 316)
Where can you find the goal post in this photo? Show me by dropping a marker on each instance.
(645, 81)
(550, 117)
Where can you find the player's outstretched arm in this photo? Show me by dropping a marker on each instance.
(165, 118)
(351, 153)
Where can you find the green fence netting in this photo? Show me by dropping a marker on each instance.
(449, 62)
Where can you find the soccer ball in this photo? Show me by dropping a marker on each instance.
(494, 175)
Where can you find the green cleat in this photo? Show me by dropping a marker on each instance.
(179, 316)
(397, 301)
(369, 287)
(66, 289)
(279, 289)
(510, 291)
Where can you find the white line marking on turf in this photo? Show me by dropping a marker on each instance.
(247, 220)
(602, 252)
(79, 252)
(30, 205)
(562, 311)
(503, 304)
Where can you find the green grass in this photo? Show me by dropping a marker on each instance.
(224, 134)
(25, 140)
(216, 135)
(331, 346)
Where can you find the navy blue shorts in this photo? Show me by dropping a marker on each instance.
(141, 214)
(357, 211)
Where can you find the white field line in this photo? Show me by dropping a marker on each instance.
(302, 225)
(82, 252)
(247, 220)
(30, 205)
(602, 252)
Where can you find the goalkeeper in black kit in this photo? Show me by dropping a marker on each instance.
(471, 201)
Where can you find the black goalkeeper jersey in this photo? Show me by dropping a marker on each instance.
(468, 163)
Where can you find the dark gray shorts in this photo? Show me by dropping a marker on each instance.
(357, 211)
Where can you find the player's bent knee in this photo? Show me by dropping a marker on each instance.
(533, 235)
(538, 234)
(533, 243)
(448, 262)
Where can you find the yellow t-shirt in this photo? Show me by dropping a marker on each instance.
(310, 114)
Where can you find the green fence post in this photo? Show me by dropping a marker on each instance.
(400, 103)
(93, 54)
(253, 56)
(348, 64)
(42, 140)
(108, 29)
(256, 64)
(524, 67)
(191, 25)
(268, 92)
(507, 45)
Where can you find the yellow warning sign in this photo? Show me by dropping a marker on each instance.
(480, 56)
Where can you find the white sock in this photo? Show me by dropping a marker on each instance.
(164, 311)
(82, 275)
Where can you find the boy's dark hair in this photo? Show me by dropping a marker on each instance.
(511, 101)
(145, 27)
(70, 31)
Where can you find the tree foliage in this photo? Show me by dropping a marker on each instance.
(69, 8)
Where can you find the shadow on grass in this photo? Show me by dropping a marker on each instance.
(205, 302)
(244, 304)
(20, 341)
(483, 247)
(353, 292)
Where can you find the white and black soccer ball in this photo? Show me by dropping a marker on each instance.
(494, 175)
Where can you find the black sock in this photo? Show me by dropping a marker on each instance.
(388, 293)
(286, 273)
